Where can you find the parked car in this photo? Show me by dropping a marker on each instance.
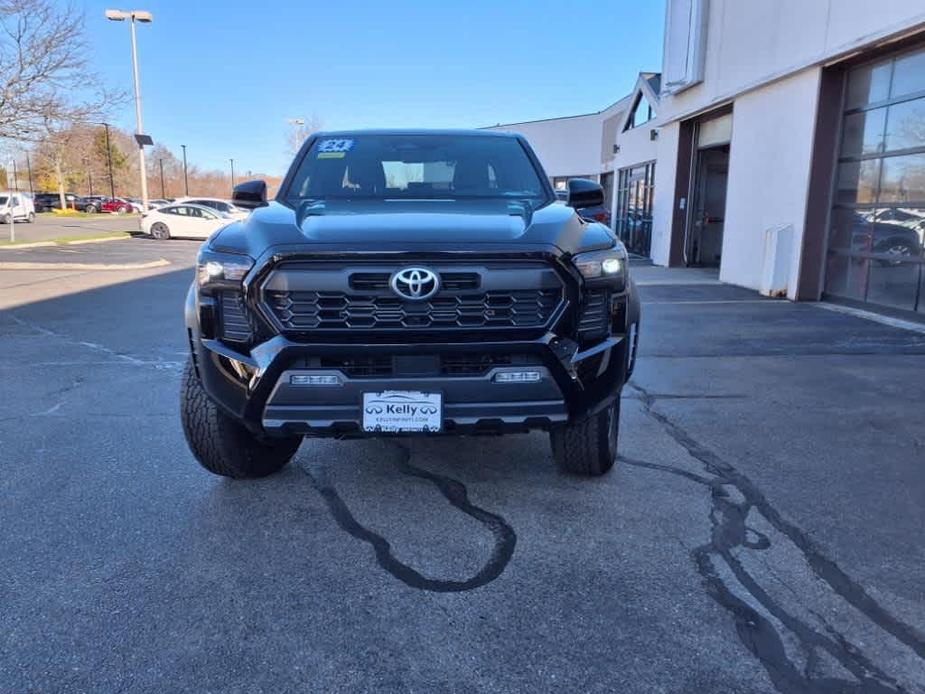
(94, 203)
(218, 204)
(184, 220)
(116, 206)
(158, 202)
(16, 207)
(365, 304)
(134, 204)
(46, 202)
(597, 213)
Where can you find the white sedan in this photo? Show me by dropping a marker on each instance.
(183, 219)
(217, 204)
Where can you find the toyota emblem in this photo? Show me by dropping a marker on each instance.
(415, 283)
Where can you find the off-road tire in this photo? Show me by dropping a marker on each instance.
(220, 444)
(160, 231)
(588, 447)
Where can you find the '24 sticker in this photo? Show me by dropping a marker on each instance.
(333, 149)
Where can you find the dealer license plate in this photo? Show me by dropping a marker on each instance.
(402, 410)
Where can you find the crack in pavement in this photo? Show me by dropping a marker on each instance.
(733, 498)
(456, 493)
(94, 347)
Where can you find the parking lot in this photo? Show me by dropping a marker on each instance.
(761, 530)
(50, 226)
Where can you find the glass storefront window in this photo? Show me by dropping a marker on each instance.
(905, 127)
(633, 220)
(893, 284)
(908, 75)
(898, 231)
(877, 226)
(862, 133)
(857, 181)
(903, 179)
(850, 229)
(868, 84)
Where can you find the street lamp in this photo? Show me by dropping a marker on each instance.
(185, 177)
(140, 137)
(89, 164)
(29, 167)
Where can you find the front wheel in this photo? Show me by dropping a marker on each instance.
(222, 445)
(30, 218)
(588, 447)
(160, 231)
(91, 209)
(4, 219)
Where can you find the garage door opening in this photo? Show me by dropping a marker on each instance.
(705, 239)
(703, 176)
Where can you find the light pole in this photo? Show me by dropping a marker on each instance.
(232, 175)
(140, 137)
(112, 183)
(89, 164)
(185, 177)
(161, 162)
(29, 168)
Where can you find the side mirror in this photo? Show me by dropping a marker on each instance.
(583, 192)
(250, 194)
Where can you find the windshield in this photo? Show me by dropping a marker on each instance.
(416, 167)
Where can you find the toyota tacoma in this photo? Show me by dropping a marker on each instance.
(408, 283)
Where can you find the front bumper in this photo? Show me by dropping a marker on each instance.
(257, 389)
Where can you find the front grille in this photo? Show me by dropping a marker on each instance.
(310, 310)
(594, 315)
(235, 325)
(359, 366)
(471, 364)
(452, 364)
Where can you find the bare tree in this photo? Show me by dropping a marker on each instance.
(299, 131)
(43, 56)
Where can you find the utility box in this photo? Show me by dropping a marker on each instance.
(775, 271)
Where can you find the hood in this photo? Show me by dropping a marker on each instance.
(410, 225)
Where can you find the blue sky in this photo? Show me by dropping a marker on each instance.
(223, 77)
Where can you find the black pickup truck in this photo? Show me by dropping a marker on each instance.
(408, 283)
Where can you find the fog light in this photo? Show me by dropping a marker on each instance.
(517, 377)
(314, 380)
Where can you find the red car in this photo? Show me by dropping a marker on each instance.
(115, 205)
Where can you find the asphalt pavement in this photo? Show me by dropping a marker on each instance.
(761, 531)
(48, 226)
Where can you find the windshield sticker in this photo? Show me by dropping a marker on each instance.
(334, 149)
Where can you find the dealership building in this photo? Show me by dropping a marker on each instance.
(783, 143)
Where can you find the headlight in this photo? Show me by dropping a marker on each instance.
(608, 266)
(222, 269)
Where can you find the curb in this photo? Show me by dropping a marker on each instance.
(81, 242)
(162, 262)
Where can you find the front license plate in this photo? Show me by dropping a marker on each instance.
(402, 410)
